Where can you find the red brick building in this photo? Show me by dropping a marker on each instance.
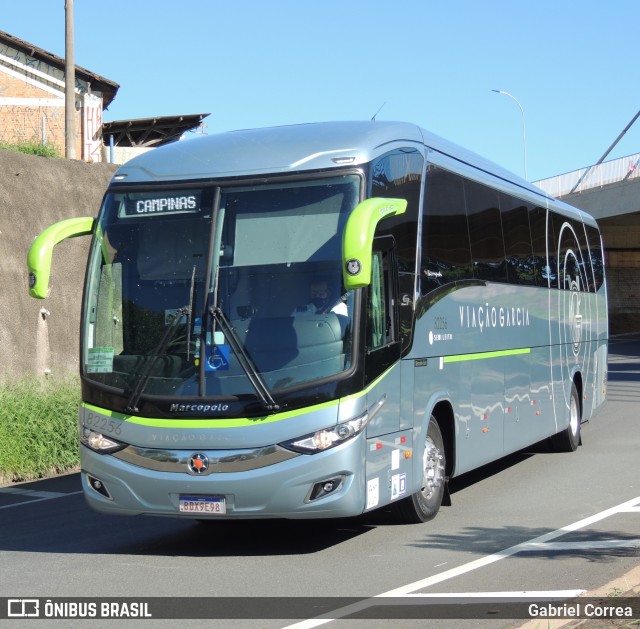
(32, 95)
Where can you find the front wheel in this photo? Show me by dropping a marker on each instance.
(569, 439)
(424, 504)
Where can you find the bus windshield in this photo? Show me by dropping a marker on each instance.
(193, 290)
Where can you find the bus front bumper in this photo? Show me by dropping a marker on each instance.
(293, 488)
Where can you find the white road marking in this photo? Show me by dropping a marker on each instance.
(594, 545)
(20, 491)
(537, 544)
(536, 594)
(38, 496)
(508, 552)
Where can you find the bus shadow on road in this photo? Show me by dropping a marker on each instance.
(255, 538)
(73, 528)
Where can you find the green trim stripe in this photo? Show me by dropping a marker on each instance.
(370, 386)
(458, 358)
(207, 422)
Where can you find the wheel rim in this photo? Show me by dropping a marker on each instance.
(433, 469)
(574, 419)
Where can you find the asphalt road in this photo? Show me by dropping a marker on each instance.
(535, 524)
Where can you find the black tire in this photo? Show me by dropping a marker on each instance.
(569, 439)
(425, 504)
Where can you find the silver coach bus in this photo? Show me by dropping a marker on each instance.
(320, 320)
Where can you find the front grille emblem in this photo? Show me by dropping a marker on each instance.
(198, 463)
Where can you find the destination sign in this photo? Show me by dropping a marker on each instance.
(178, 203)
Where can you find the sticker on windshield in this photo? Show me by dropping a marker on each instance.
(217, 358)
(100, 360)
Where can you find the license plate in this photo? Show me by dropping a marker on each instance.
(212, 505)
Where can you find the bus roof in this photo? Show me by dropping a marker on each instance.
(270, 150)
(292, 148)
(297, 148)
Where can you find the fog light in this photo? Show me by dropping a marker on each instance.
(325, 487)
(98, 486)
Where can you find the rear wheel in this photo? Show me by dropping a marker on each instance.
(569, 439)
(424, 504)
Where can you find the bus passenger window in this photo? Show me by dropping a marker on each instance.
(446, 254)
(545, 275)
(517, 241)
(597, 258)
(485, 231)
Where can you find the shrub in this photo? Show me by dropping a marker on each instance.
(32, 148)
(38, 428)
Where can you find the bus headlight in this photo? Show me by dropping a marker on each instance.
(98, 442)
(327, 438)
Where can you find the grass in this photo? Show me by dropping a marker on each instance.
(38, 428)
(32, 148)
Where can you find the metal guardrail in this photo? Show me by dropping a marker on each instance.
(614, 171)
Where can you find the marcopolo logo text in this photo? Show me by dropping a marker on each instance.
(198, 408)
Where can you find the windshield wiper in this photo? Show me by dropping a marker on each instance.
(245, 360)
(152, 359)
(167, 337)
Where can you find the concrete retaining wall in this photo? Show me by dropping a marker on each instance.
(41, 336)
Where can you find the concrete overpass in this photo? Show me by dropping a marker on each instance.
(610, 192)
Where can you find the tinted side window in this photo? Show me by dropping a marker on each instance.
(544, 275)
(596, 255)
(485, 229)
(517, 241)
(574, 261)
(590, 284)
(552, 252)
(399, 175)
(446, 254)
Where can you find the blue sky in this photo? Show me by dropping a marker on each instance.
(572, 65)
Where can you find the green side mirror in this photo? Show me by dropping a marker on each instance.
(41, 251)
(357, 241)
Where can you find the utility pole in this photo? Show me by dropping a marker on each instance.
(70, 83)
